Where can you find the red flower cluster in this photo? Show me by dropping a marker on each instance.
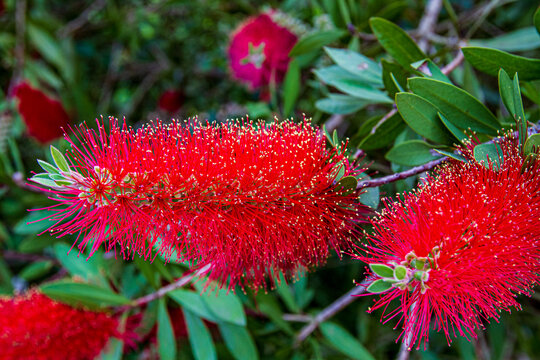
(44, 117)
(247, 200)
(171, 101)
(259, 51)
(36, 327)
(462, 247)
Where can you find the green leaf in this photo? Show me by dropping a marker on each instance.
(48, 167)
(193, 302)
(35, 270)
(341, 104)
(392, 76)
(490, 61)
(422, 116)
(519, 114)
(113, 350)
(506, 90)
(41, 180)
(369, 196)
(452, 155)
(458, 134)
(532, 144)
(200, 339)
(518, 40)
(461, 108)
(428, 69)
(400, 272)
(344, 342)
(316, 41)
(384, 134)
(382, 270)
(365, 70)
(537, 20)
(224, 305)
(379, 286)
(346, 185)
(33, 223)
(165, 335)
(396, 42)
(238, 341)
(362, 91)
(59, 159)
(75, 293)
(411, 153)
(76, 265)
(291, 87)
(489, 153)
(268, 305)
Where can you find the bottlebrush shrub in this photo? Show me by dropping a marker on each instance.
(461, 248)
(171, 100)
(44, 117)
(35, 327)
(247, 200)
(259, 51)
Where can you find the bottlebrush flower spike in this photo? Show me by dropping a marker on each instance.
(33, 326)
(259, 51)
(44, 117)
(249, 199)
(461, 248)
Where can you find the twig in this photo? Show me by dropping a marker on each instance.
(297, 318)
(401, 175)
(452, 65)
(383, 119)
(330, 311)
(404, 349)
(14, 256)
(334, 122)
(110, 77)
(428, 22)
(82, 19)
(184, 280)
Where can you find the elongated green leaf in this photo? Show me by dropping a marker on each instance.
(41, 180)
(517, 40)
(59, 159)
(238, 341)
(411, 153)
(341, 104)
(330, 74)
(489, 153)
(519, 113)
(32, 223)
(384, 134)
(165, 335)
(86, 294)
(422, 116)
(361, 91)
(491, 60)
(369, 196)
(315, 41)
(77, 265)
(344, 342)
(366, 70)
(537, 20)
(113, 350)
(532, 144)
(399, 75)
(396, 42)
(268, 305)
(291, 87)
(200, 339)
(193, 302)
(379, 286)
(458, 106)
(506, 90)
(458, 134)
(226, 306)
(382, 270)
(452, 155)
(35, 270)
(428, 69)
(48, 167)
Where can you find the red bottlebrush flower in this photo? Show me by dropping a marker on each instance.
(259, 51)
(35, 327)
(171, 101)
(460, 249)
(44, 117)
(244, 200)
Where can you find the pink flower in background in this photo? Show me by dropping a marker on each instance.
(44, 117)
(171, 101)
(250, 200)
(33, 326)
(259, 51)
(459, 250)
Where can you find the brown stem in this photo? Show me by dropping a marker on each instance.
(330, 311)
(428, 22)
(82, 19)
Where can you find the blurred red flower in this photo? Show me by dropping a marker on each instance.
(259, 51)
(245, 200)
(463, 246)
(171, 101)
(44, 117)
(33, 326)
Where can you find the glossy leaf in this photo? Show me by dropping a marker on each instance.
(48, 167)
(382, 270)
(396, 42)
(59, 159)
(518, 40)
(315, 41)
(491, 60)
(200, 338)
(224, 305)
(519, 113)
(490, 153)
(79, 265)
(452, 155)
(411, 153)
(458, 106)
(193, 302)
(165, 335)
(344, 342)
(369, 196)
(532, 144)
(392, 74)
(291, 87)
(422, 117)
(362, 91)
(238, 341)
(506, 90)
(384, 134)
(35, 270)
(537, 20)
(454, 130)
(341, 104)
(363, 68)
(82, 294)
(379, 286)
